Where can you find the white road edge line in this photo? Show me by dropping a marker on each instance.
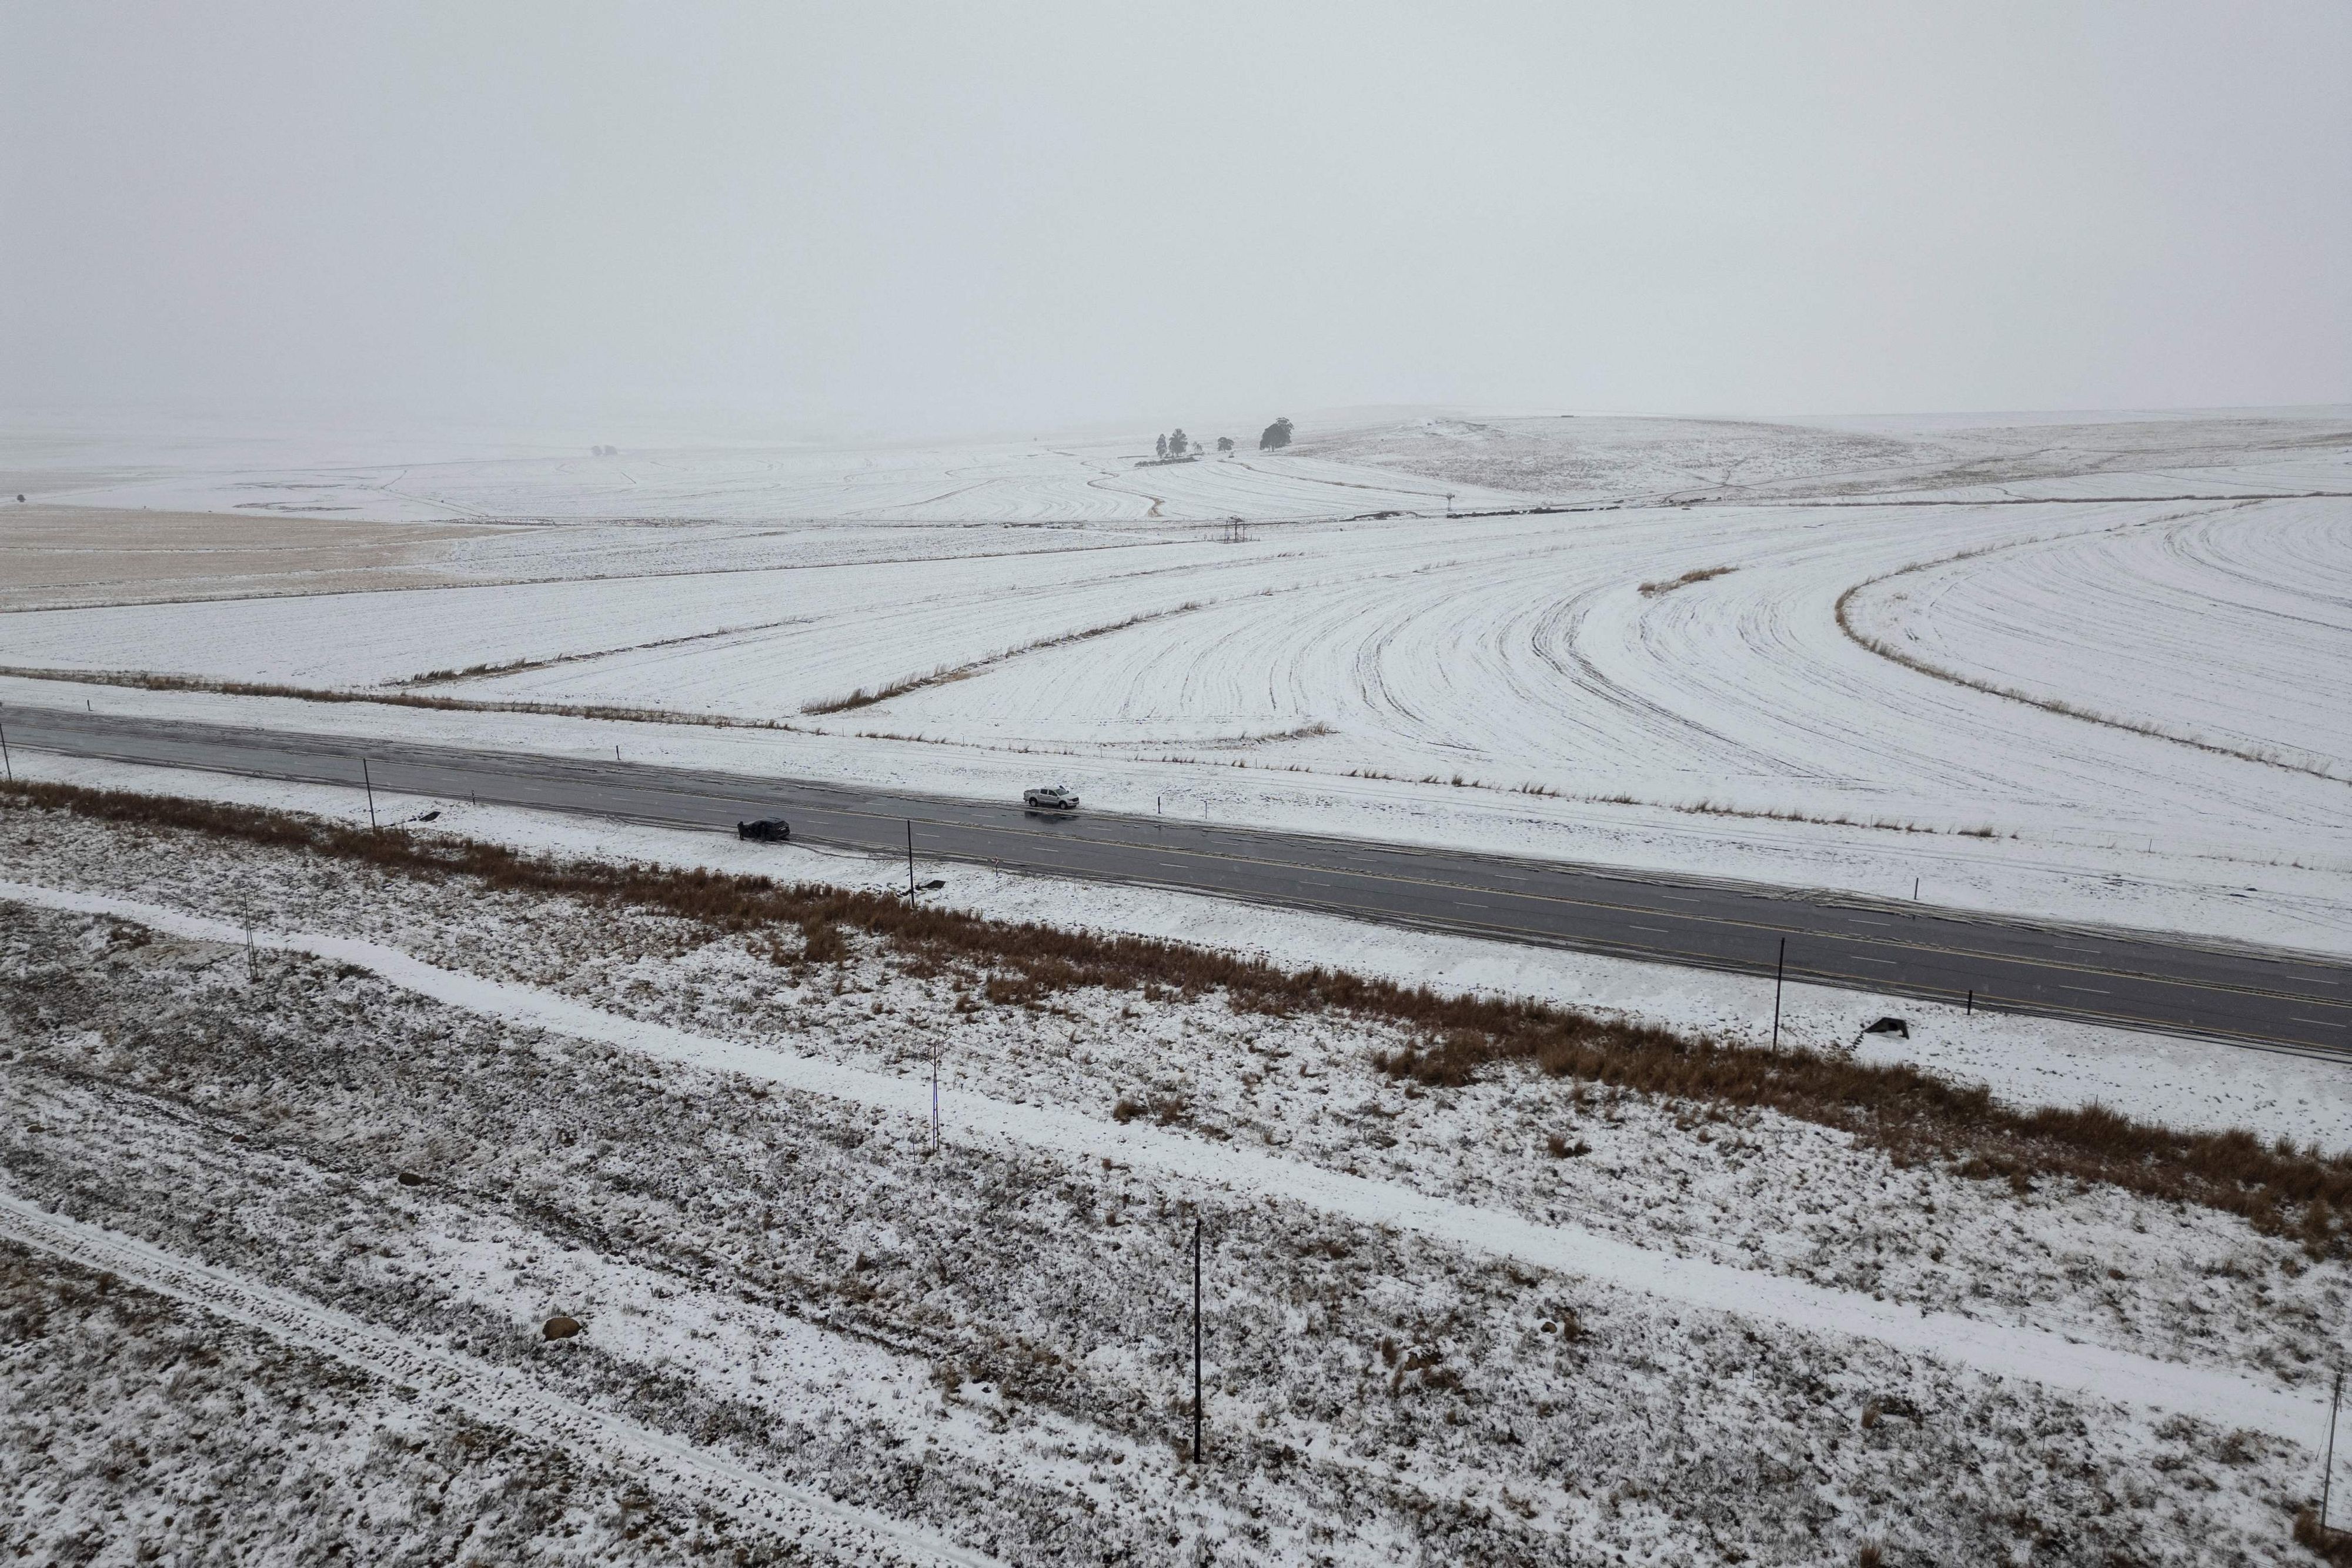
(2001, 1350)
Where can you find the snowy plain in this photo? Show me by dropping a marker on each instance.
(1832, 654)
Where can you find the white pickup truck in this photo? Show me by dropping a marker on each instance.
(1052, 798)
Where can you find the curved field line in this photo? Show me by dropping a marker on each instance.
(1909, 661)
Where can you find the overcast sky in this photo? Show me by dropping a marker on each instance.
(941, 217)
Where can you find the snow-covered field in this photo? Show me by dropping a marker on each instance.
(2200, 623)
(1895, 665)
(1951, 457)
(324, 1196)
(1087, 480)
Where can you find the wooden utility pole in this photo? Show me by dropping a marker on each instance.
(4, 757)
(369, 784)
(1196, 1339)
(910, 859)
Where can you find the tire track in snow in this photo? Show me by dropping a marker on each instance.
(496, 1396)
(1996, 1349)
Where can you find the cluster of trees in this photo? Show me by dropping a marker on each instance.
(1179, 444)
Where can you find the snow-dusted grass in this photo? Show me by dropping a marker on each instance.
(144, 1420)
(554, 934)
(986, 1340)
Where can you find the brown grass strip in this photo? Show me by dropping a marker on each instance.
(147, 680)
(940, 677)
(1913, 1115)
(1703, 574)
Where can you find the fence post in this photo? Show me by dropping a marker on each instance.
(2328, 1475)
(1196, 1341)
(1780, 966)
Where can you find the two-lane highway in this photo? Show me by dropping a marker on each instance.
(2278, 1000)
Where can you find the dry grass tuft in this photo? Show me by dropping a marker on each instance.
(2329, 1545)
(1913, 1115)
(1703, 574)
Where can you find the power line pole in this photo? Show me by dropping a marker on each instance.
(935, 1093)
(1196, 1340)
(910, 859)
(369, 784)
(1780, 966)
(4, 757)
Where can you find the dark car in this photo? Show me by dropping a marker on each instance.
(766, 830)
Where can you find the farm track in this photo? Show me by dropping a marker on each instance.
(494, 1396)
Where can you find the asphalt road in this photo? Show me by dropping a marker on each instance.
(2277, 1000)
